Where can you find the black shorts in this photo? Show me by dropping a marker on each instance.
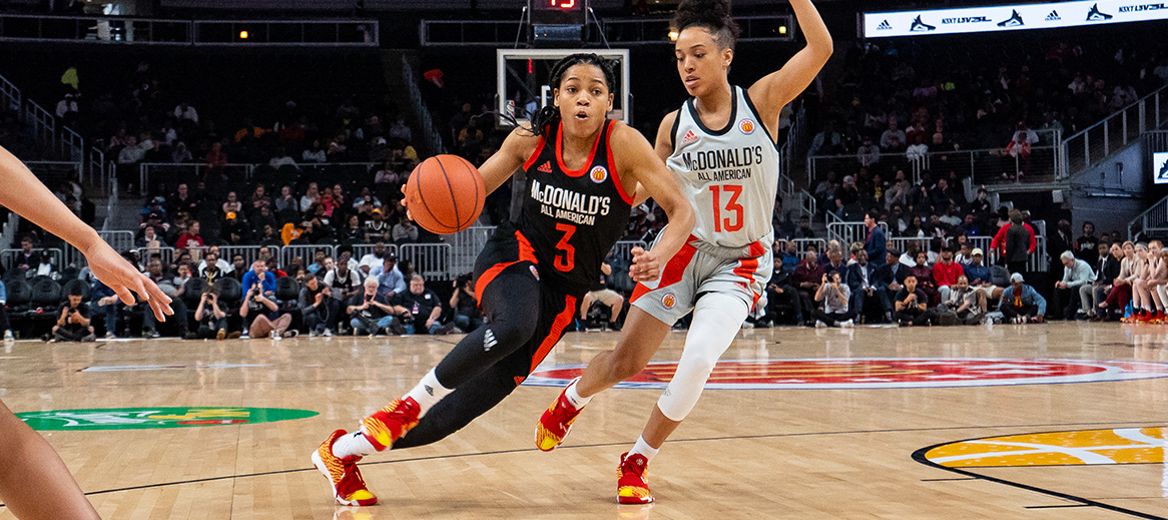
(503, 274)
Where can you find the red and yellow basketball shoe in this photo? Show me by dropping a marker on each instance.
(556, 422)
(349, 488)
(391, 423)
(631, 484)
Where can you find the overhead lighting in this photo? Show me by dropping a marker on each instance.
(243, 35)
(783, 29)
(673, 35)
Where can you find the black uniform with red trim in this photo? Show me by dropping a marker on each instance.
(529, 279)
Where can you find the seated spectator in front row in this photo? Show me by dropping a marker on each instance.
(832, 297)
(599, 293)
(260, 306)
(965, 305)
(418, 310)
(1093, 295)
(1021, 303)
(318, 308)
(862, 282)
(912, 305)
(1076, 273)
(368, 311)
(72, 321)
(467, 315)
(783, 298)
(211, 318)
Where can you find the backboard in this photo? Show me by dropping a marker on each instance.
(523, 75)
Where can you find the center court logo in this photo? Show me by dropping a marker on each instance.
(874, 373)
(1070, 448)
(155, 418)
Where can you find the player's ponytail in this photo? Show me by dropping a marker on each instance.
(714, 15)
(549, 115)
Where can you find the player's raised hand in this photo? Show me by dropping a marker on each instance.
(646, 267)
(114, 271)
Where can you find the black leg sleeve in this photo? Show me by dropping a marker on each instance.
(479, 394)
(513, 302)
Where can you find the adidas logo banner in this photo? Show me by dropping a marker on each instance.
(1010, 17)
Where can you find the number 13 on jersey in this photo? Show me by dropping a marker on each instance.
(733, 221)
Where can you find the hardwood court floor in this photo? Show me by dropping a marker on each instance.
(793, 453)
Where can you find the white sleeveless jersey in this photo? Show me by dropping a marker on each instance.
(730, 175)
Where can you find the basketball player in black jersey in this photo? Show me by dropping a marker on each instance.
(581, 168)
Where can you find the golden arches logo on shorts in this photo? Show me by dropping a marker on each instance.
(746, 126)
(1134, 445)
(669, 300)
(598, 174)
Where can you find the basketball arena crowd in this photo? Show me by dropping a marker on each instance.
(931, 252)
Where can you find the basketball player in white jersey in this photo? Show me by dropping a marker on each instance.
(721, 145)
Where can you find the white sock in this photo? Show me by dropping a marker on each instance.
(428, 392)
(352, 444)
(574, 396)
(644, 448)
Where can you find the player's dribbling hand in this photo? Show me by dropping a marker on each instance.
(645, 266)
(405, 204)
(117, 274)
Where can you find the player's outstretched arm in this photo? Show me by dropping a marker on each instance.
(641, 164)
(516, 148)
(775, 90)
(26, 196)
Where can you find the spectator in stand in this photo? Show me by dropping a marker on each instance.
(27, 260)
(807, 278)
(318, 308)
(212, 258)
(371, 263)
(875, 243)
(216, 157)
(311, 197)
(1061, 240)
(132, 153)
(314, 153)
(868, 154)
(1021, 303)
(287, 201)
(399, 130)
(1108, 269)
(73, 320)
(352, 232)
(1121, 289)
(181, 153)
(184, 112)
(232, 204)
(912, 308)
(108, 306)
(831, 299)
(1015, 242)
(781, 296)
(918, 149)
(343, 281)
(417, 310)
(239, 267)
(368, 311)
(183, 201)
(391, 281)
(467, 316)
(1086, 246)
(827, 142)
(964, 304)
(212, 319)
(259, 200)
(893, 139)
(281, 158)
(321, 263)
(67, 110)
(946, 272)
(861, 280)
(405, 232)
(1076, 274)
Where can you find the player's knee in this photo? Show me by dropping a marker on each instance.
(699, 366)
(624, 367)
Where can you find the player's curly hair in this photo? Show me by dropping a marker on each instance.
(714, 15)
(550, 114)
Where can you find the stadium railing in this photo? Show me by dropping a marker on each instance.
(1095, 143)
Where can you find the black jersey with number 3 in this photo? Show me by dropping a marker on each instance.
(573, 217)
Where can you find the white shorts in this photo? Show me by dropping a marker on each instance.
(700, 268)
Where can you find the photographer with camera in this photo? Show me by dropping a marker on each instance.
(72, 321)
(369, 311)
(418, 309)
(260, 306)
(319, 309)
(212, 320)
(833, 298)
(467, 316)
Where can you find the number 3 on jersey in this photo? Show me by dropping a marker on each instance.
(734, 221)
(565, 253)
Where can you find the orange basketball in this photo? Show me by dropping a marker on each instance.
(445, 194)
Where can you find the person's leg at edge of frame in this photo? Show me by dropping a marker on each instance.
(707, 339)
(35, 484)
